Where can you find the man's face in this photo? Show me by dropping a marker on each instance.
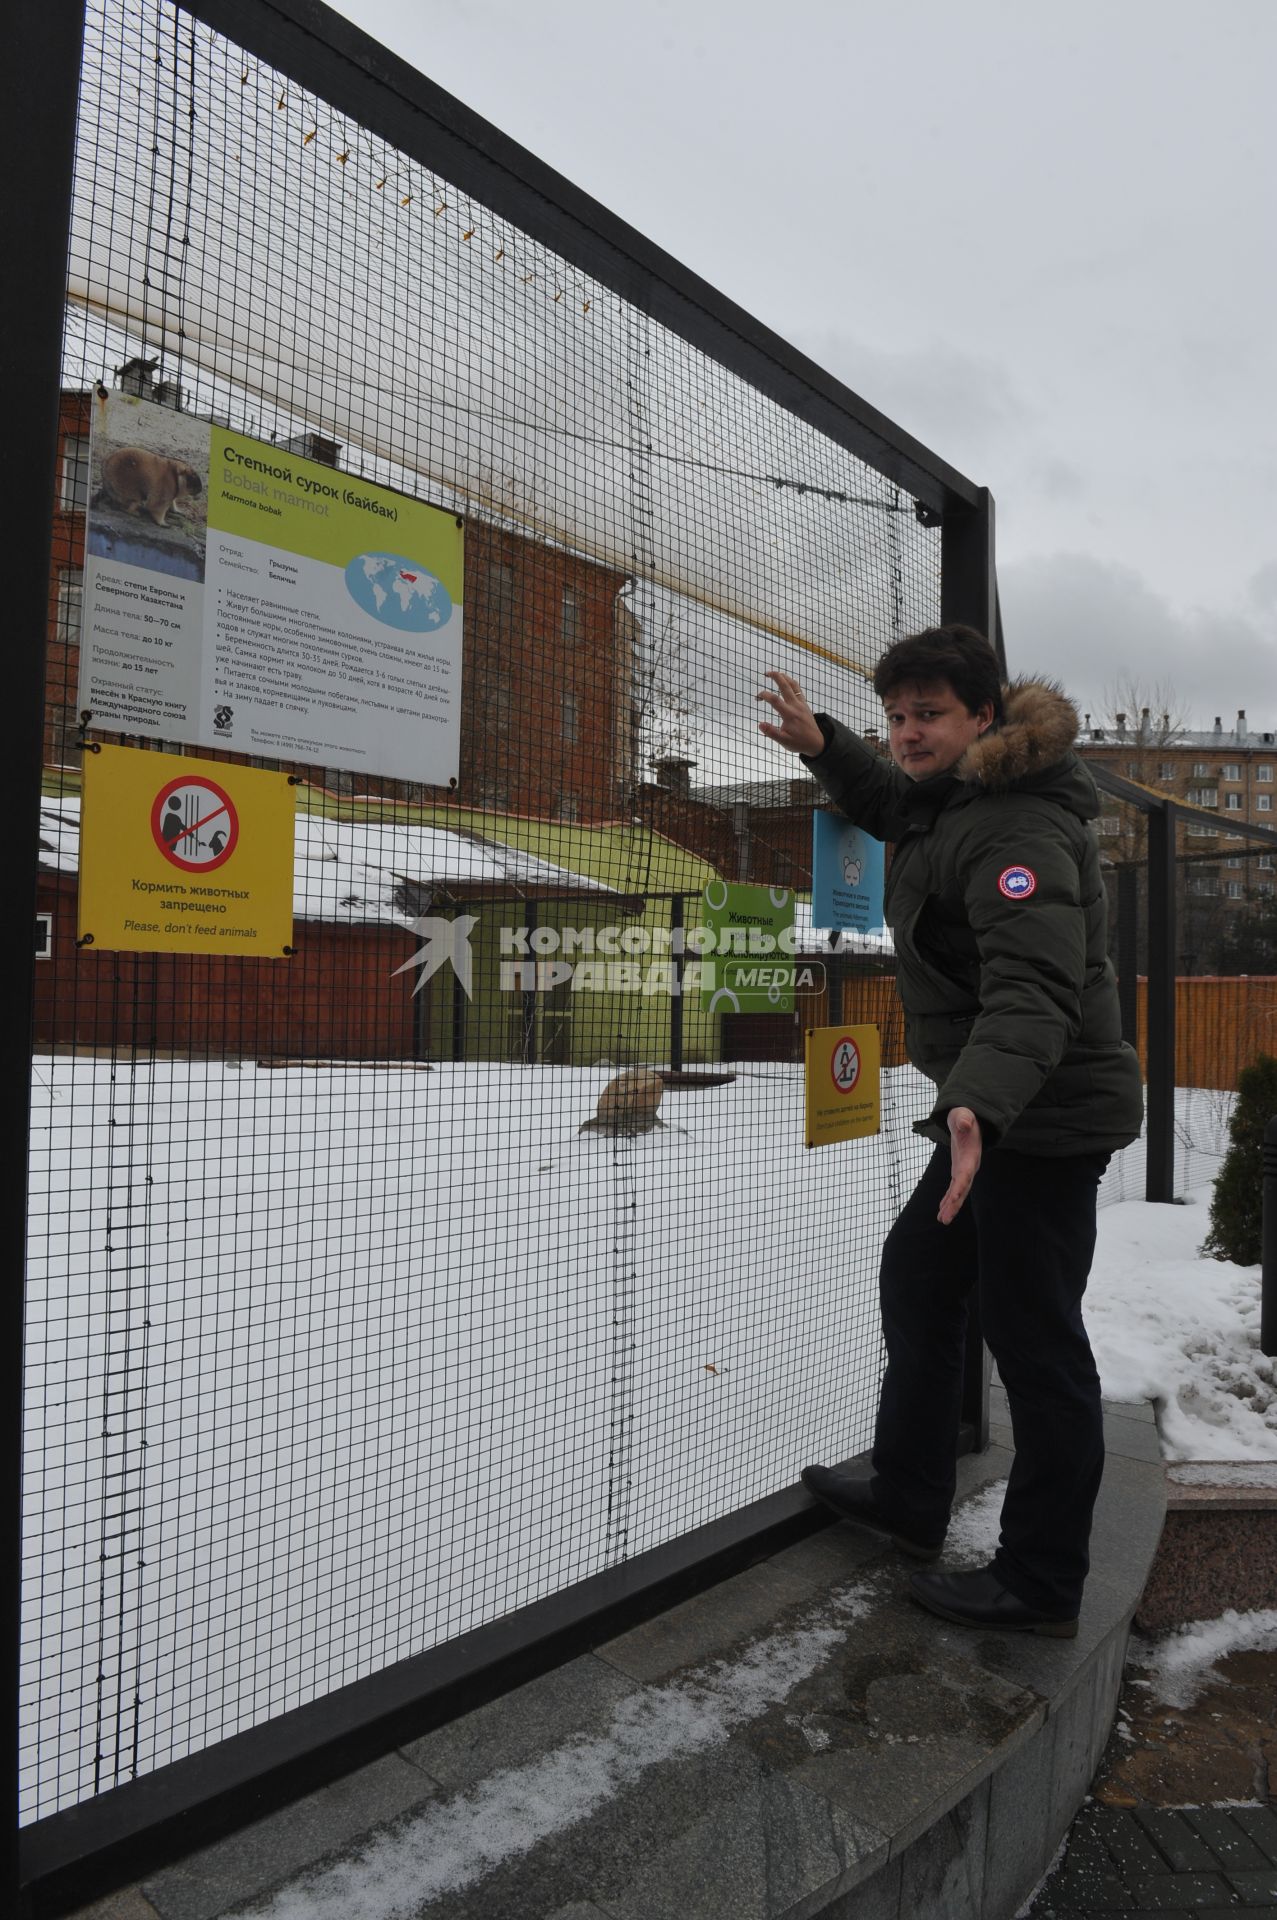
(929, 728)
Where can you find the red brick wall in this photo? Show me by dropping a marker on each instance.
(333, 998)
(779, 838)
(548, 679)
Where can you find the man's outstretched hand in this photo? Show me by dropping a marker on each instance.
(798, 729)
(965, 1147)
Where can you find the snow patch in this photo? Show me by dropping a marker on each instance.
(1168, 1326)
(1182, 1665)
(450, 1845)
(1225, 1473)
(976, 1526)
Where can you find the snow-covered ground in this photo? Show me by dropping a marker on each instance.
(1169, 1326)
(326, 1366)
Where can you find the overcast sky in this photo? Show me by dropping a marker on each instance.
(1040, 237)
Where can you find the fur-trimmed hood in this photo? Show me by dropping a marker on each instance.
(1037, 730)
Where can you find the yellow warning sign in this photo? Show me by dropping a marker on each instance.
(842, 1084)
(184, 856)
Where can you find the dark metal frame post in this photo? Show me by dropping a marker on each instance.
(1268, 1244)
(1160, 1067)
(676, 998)
(460, 1010)
(969, 595)
(1163, 815)
(48, 42)
(968, 569)
(1128, 995)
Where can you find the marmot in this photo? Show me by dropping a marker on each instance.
(628, 1103)
(141, 481)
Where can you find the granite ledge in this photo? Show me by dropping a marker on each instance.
(900, 1741)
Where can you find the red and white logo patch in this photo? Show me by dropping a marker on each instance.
(1017, 883)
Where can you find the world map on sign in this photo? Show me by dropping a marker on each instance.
(398, 592)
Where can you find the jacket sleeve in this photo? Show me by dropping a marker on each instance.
(865, 787)
(1021, 890)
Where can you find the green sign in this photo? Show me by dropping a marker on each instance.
(261, 493)
(746, 949)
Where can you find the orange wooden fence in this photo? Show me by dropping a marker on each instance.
(1221, 1023)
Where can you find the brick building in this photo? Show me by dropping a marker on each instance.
(548, 721)
(755, 830)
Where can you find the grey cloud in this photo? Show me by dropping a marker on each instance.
(1092, 624)
(1262, 588)
(962, 404)
(1057, 480)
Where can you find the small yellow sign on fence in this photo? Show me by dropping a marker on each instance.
(843, 1101)
(184, 856)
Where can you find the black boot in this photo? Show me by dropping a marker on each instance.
(978, 1599)
(853, 1499)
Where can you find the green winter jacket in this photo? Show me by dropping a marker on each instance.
(998, 912)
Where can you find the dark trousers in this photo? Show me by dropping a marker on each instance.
(1023, 1244)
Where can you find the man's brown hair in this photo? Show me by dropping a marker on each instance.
(959, 655)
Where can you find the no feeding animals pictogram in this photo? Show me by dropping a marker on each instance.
(194, 824)
(844, 1064)
(841, 1094)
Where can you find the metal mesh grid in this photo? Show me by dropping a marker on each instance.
(1225, 940)
(1224, 968)
(343, 1338)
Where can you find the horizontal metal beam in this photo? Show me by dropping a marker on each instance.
(1149, 800)
(323, 52)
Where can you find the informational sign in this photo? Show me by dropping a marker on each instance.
(184, 856)
(746, 944)
(846, 876)
(843, 1096)
(236, 595)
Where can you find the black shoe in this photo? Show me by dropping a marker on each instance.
(853, 1499)
(978, 1599)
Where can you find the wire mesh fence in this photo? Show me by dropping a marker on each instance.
(355, 1322)
(1225, 961)
(1222, 971)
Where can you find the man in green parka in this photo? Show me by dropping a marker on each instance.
(998, 913)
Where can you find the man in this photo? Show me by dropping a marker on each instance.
(998, 912)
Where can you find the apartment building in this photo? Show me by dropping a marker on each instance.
(1229, 773)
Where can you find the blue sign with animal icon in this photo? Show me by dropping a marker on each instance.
(846, 876)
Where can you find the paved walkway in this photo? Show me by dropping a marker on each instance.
(1182, 1817)
(1203, 1861)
